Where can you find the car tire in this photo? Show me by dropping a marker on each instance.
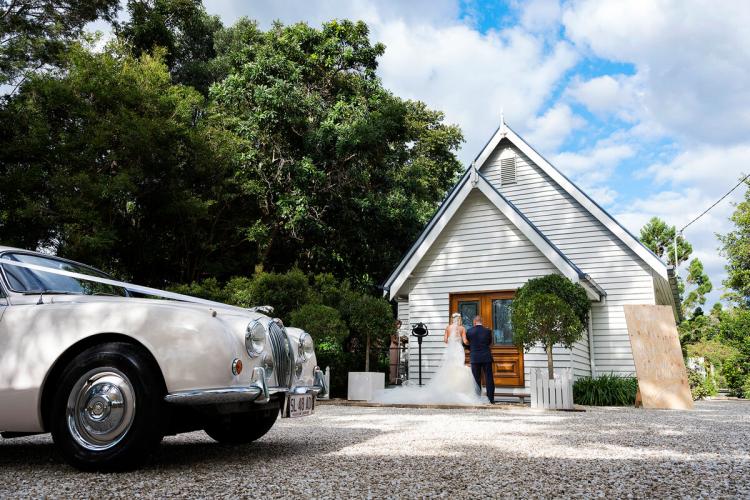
(108, 412)
(243, 428)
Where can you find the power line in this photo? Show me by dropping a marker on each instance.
(716, 203)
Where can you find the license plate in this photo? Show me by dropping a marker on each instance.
(299, 405)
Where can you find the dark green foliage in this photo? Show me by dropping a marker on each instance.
(344, 174)
(369, 318)
(322, 322)
(184, 30)
(572, 294)
(112, 166)
(736, 249)
(285, 292)
(208, 289)
(35, 33)
(605, 390)
(297, 157)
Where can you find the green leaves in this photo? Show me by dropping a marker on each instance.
(549, 310)
(605, 390)
(736, 249)
(659, 238)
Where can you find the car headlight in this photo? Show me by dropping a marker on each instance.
(255, 339)
(306, 346)
(268, 365)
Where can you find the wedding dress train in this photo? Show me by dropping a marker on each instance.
(452, 383)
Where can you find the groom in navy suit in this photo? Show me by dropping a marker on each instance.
(479, 339)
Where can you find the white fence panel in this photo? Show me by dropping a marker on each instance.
(554, 394)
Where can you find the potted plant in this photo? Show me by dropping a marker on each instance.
(550, 310)
(370, 319)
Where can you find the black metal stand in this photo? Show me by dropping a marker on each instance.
(420, 331)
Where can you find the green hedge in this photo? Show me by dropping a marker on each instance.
(605, 390)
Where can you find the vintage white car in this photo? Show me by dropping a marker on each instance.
(109, 374)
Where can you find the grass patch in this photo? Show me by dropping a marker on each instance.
(605, 390)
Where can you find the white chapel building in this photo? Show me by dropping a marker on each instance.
(511, 217)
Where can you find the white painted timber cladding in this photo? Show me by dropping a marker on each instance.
(591, 246)
(478, 250)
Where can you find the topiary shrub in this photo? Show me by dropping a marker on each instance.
(284, 292)
(322, 322)
(605, 390)
(549, 310)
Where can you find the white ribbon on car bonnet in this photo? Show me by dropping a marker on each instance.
(128, 286)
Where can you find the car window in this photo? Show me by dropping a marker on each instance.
(24, 280)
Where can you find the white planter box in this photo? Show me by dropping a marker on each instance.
(362, 385)
(552, 394)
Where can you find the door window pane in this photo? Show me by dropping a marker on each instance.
(501, 327)
(468, 310)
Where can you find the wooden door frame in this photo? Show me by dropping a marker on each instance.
(485, 299)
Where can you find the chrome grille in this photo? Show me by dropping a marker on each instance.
(283, 356)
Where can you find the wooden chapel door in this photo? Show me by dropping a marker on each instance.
(494, 308)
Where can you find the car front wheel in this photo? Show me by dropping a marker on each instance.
(241, 428)
(107, 411)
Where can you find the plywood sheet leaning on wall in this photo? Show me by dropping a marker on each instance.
(661, 372)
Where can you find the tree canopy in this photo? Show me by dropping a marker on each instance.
(186, 149)
(549, 310)
(736, 248)
(659, 238)
(35, 33)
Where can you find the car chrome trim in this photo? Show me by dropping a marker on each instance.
(256, 392)
(319, 379)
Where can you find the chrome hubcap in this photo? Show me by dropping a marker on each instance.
(101, 408)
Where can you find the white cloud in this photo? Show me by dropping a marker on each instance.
(714, 168)
(548, 131)
(471, 76)
(540, 15)
(609, 94)
(691, 56)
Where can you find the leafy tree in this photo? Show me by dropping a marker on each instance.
(701, 284)
(184, 30)
(344, 174)
(369, 318)
(113, 165)
(659, 238)
(736, 248)
(35, 33)
(551, 310)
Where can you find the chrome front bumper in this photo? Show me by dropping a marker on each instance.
(257, 392)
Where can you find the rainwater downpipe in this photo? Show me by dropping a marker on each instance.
(592, 360)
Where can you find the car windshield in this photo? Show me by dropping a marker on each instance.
(23, 280)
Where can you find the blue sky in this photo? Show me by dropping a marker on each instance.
(644, 104)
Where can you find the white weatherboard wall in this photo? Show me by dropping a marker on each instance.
(591, 246)
(478, 250)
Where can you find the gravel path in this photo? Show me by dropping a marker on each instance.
(345, 452)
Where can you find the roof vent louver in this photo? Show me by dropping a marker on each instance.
(508, 170)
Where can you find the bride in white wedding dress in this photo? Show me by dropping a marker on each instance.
(451, 383)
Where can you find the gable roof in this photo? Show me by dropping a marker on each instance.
(505, 132)
(471, 180)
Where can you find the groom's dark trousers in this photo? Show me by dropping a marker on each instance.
(480, 340)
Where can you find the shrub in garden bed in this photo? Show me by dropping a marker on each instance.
(605, 390)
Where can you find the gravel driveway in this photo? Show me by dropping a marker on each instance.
(385, 452)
